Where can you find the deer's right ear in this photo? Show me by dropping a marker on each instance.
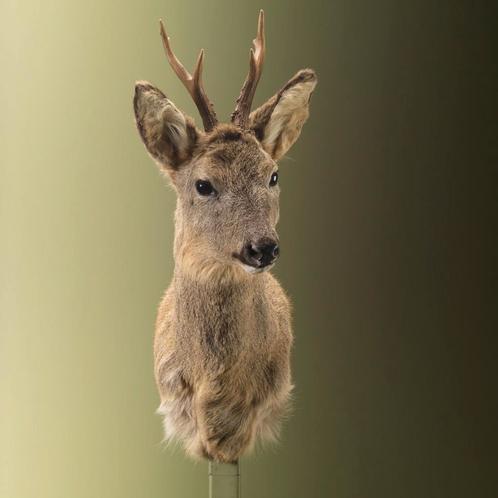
(169, 135)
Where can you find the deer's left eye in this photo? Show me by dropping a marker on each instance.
(274, 179)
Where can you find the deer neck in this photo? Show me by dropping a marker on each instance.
(218, 303)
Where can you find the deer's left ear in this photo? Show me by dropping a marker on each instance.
(278, 122)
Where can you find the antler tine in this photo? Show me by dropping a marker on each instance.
(193, 84)
(256, 59)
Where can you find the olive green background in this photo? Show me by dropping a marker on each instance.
(388, 210)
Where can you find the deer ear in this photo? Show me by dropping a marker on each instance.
(169, 135)
(278, 122)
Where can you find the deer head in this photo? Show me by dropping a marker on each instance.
(226, 177)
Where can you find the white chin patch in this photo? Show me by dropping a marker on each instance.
(251, 269)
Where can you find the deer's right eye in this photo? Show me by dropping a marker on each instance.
(204, 187)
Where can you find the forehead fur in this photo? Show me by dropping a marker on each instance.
(228, 148)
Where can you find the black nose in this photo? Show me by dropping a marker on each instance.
(262, 253)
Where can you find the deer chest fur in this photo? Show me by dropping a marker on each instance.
(222, 354)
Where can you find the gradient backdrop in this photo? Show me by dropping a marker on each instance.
(388, 206)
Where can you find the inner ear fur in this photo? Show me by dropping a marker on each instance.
(168, 134)
(278, 122)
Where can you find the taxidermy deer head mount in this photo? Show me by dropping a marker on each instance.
(223, 330)
(226, 177)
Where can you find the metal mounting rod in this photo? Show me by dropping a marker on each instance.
(224, 480)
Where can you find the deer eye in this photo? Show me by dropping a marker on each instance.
(274, 179)
(204, 187)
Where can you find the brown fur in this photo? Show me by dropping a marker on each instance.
(223, 335)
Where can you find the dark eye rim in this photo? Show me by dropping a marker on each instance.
(274, 179)
(204, 188)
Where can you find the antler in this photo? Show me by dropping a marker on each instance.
(192, 83)
(256, 59)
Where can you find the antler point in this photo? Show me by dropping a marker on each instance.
(256, 58)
